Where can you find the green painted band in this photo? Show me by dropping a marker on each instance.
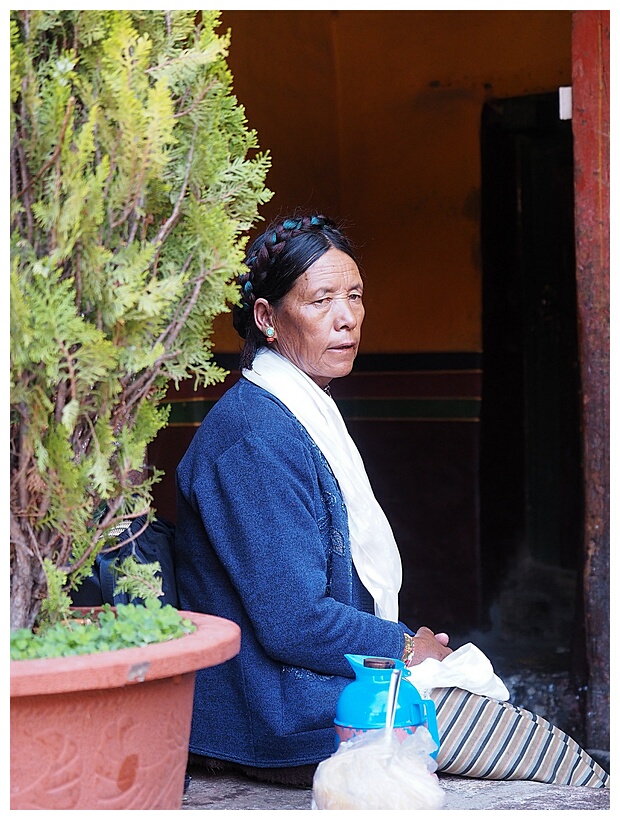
(449, 409)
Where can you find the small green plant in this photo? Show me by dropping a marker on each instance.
(83, 633)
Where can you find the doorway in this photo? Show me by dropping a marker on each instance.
(531, 509)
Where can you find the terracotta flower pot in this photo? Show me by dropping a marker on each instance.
(110, 730)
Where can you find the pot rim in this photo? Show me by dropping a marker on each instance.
(214, 641)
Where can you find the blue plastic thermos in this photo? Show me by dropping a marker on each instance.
(362, 705)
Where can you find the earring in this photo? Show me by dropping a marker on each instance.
(270, 334)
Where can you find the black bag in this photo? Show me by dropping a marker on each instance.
(156, 543)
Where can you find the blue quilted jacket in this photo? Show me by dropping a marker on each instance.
(262, 539)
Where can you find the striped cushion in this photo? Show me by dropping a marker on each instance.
(486, 738)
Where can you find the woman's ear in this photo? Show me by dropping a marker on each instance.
(263, 315)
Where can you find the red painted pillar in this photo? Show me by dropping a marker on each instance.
(590, 117)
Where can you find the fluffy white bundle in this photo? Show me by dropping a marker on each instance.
(375, 771)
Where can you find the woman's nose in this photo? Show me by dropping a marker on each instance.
(346, 315)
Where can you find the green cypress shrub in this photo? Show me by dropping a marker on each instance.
(134, 181)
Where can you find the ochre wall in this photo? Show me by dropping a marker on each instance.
(374, 118)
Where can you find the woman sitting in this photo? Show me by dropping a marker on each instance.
(278, 530)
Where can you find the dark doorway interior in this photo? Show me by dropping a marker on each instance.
(530, 472)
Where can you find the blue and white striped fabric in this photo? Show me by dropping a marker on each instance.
(485, 738)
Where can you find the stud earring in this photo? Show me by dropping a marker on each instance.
(270, 333)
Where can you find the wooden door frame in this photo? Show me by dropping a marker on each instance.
(591, 120)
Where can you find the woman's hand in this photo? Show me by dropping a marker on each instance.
(430, 645)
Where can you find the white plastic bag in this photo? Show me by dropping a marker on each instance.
(376, 771)
(466, 668)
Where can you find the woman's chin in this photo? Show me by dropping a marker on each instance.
(339, 372)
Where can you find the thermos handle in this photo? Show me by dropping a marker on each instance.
(431, 722)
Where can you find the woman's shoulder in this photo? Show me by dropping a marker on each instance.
(247, 410)
(247, 427)
(246, 401)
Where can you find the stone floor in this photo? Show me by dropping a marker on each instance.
(235, 792)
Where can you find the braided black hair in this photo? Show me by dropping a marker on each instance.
(275, 260)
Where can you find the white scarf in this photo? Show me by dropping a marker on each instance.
(373, 548)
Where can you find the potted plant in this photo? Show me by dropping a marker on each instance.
(134, 181)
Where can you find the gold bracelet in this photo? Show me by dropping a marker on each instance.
(409, 650)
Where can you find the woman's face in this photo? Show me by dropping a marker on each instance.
(318, 323)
